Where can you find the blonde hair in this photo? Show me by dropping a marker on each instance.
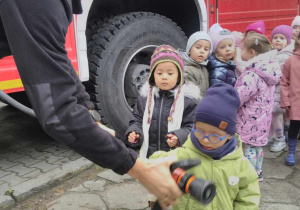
(257, 42)
(297, 43)
(221, 58)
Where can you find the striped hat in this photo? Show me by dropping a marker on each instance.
(165, 53)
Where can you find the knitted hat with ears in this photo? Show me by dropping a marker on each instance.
(165, 53)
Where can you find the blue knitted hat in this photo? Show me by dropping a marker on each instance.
(219, 107)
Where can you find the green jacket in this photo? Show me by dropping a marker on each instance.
(196, 73)
(235, 178)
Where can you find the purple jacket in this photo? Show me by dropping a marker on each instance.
(256, 88)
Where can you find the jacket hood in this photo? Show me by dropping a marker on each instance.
(288, 49)
(297, 52)
(237, 153)
(188, 61)
(266, 67)
(214, 62)
(189, 89)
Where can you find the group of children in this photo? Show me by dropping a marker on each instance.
(205, 101)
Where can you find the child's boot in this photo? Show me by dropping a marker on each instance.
(278, 145)
(290, 160)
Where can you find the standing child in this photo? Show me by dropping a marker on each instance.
(256, 88)
(281, 37)
(220, 66)
(256, 27)
(296, 27)
(163, 115)
(290, 98)
(214, 142)
(198, 48)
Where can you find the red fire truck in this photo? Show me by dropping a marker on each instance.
(111, 43)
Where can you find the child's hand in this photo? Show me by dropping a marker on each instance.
(133, 136)
(172, 140)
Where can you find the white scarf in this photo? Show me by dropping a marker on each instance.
(175, 124)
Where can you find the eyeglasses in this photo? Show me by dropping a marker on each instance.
(213, 138)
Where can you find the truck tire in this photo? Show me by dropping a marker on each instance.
(119, 56)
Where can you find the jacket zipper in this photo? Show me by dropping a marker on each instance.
(159, 121)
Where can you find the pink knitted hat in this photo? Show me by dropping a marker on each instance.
(165, 53)
(296, 21)
(258, 26)
(219, 35)
(285, 30)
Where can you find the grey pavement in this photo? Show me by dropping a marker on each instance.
(31, 161)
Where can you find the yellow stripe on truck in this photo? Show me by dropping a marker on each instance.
(10, 84)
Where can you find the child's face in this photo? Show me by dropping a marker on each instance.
(207, 130)
(226, 50)
(166, 75)
(200, 51)
(246, 54)
(296, 30)
(279, 41)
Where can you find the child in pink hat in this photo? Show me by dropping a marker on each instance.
(256, 27)
(281, 38)
(296, 27)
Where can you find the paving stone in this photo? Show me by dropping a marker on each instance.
(129, 196)
(4, 164)
(11, 156)
(56, 150)
(80, 188)
(33, 153)
(275, 169)
(77, 202)
(70, 154)
(44, 166)
(294, 178)
(27, 161)
(4, 173)
(49, 158)
(13, 180)
(33, 174)
(270, 155)
(272, 206)
(3, 188)
(6, 201)
(112, 176)
(273, 190)
(62, 161)
(45, 179)
(94, 185)
(20, 169)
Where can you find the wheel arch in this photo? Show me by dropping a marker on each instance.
(182, 12)
(189, 15)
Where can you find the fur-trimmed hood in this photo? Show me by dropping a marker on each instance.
(189, 89)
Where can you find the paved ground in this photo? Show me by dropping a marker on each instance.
(31, 161)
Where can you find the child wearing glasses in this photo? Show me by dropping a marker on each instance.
(214, 141)
(256, 88)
